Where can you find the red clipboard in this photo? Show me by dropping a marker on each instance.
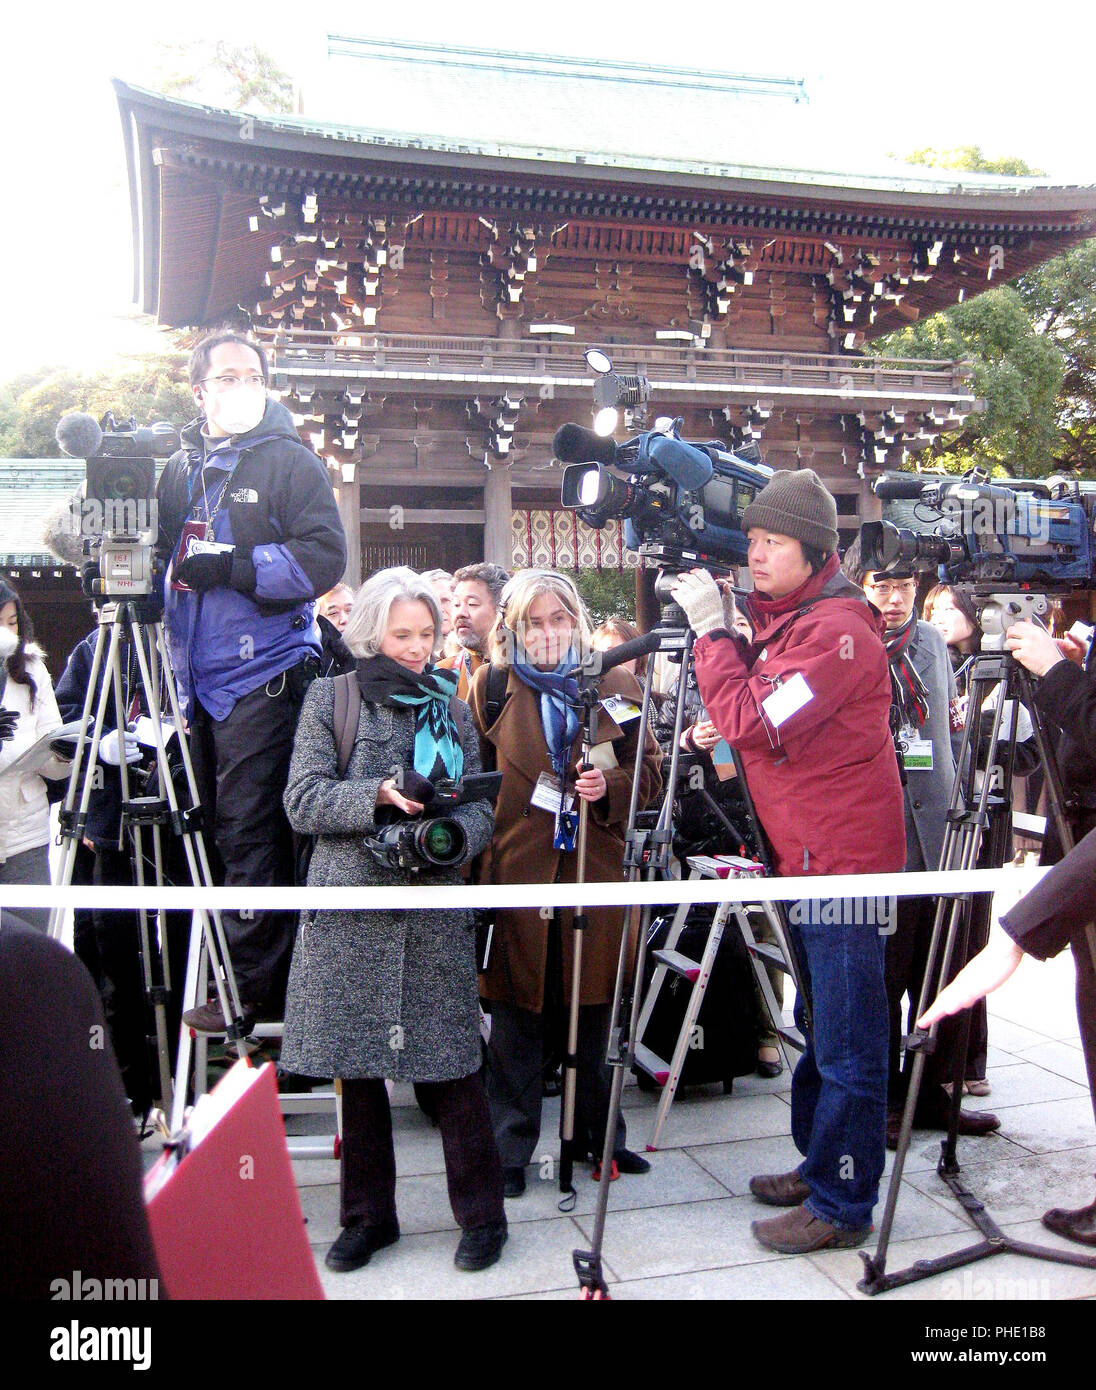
(227, 1222)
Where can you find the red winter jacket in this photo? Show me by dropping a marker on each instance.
(824, 777)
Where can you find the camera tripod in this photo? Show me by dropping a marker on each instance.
(135, 623)
(977, 834)
(649, 852)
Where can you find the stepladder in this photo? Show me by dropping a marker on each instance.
(754, 922)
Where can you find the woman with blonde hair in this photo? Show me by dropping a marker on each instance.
(522, 706)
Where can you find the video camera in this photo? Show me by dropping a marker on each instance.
(117, 513)
(681, 503)
(1015, 531)
(439, 841)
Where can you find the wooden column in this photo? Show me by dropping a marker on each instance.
(497, 535)
(350, 506)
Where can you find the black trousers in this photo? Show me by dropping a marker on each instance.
(904, 969)
(241, 765)
(514, 1081)
(368, 1172)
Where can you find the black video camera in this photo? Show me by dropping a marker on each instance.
(116, 517)
(1014, 531)
(412, 843)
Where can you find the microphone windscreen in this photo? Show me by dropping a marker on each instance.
(573, 444)
(627, 651)
(416, 787)
(79, 435)
(899, 487)
(687, 465)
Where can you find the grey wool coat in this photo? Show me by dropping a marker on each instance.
(376, 994)
(927, 795)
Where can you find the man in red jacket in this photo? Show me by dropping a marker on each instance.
(807, 705)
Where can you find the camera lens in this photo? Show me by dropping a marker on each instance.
(441, 842)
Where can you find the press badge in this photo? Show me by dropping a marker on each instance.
(620, 709)
(916, 752)
(786, 699)
(546, 795)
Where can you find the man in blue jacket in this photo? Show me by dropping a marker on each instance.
(250, 534)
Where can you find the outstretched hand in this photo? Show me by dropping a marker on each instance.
(988, 971)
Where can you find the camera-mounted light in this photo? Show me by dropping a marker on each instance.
(613, 392)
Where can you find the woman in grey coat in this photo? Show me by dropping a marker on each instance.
(375, 995)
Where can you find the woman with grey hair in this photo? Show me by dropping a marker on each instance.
(376, 995)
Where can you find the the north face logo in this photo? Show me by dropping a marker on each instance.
(245, 494)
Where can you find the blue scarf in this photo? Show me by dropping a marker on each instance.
(558, 690)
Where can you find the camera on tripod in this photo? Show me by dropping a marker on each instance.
(437, 841)
(1011, 532)
(681, 503)
(116, 515)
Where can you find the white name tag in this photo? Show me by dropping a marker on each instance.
(546, 795)
(786, 699)
(620, 709)
(918, 752)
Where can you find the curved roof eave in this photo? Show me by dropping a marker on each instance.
(976, 193)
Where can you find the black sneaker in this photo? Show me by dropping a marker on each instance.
(356, 1245)
(513, 1182)
(480, 1247)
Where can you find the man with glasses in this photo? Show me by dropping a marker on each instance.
(923, 689)
(250, 535)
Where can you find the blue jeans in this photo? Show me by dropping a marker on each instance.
(839, 1089)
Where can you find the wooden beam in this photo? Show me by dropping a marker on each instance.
(425, 516)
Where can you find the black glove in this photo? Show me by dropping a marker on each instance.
(210, 571)
(8, 720)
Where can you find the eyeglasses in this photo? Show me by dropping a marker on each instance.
(885, 589)
(253, 382)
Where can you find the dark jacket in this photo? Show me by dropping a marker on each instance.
(336, 658)
(376, 993)
(278, 510)
(521, 849)
(1060, 907)
(1066, 695)
(105, 802)
(825, 778)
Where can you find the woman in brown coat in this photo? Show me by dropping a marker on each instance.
(541, 632)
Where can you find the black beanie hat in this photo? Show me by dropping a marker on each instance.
(796, 503)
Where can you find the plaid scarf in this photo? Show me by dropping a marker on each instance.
(908, 693)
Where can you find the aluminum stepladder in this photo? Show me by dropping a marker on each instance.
(670, 961)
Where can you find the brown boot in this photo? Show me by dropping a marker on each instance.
(1079, 1225)
(798, 1232)
(780, 1189)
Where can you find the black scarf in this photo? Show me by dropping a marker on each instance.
(438, 752)
(908, 693)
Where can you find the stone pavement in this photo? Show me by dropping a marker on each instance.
(683, 1230)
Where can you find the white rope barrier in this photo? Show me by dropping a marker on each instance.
(536, 895)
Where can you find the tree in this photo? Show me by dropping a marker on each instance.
(971, 158)
(149, 389)
(608, 593)
(242, 78)
(1032, 350)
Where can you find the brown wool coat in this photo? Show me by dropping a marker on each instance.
(521, 848)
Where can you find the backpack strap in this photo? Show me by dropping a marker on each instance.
(348, 705)
(494, 698)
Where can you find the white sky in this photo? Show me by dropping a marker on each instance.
(879, 80)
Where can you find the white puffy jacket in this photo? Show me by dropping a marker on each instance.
(24, 808)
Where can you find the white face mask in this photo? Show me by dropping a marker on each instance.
(9, 640)
(235, 412)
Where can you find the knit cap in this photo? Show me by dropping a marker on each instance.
(796, 503)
